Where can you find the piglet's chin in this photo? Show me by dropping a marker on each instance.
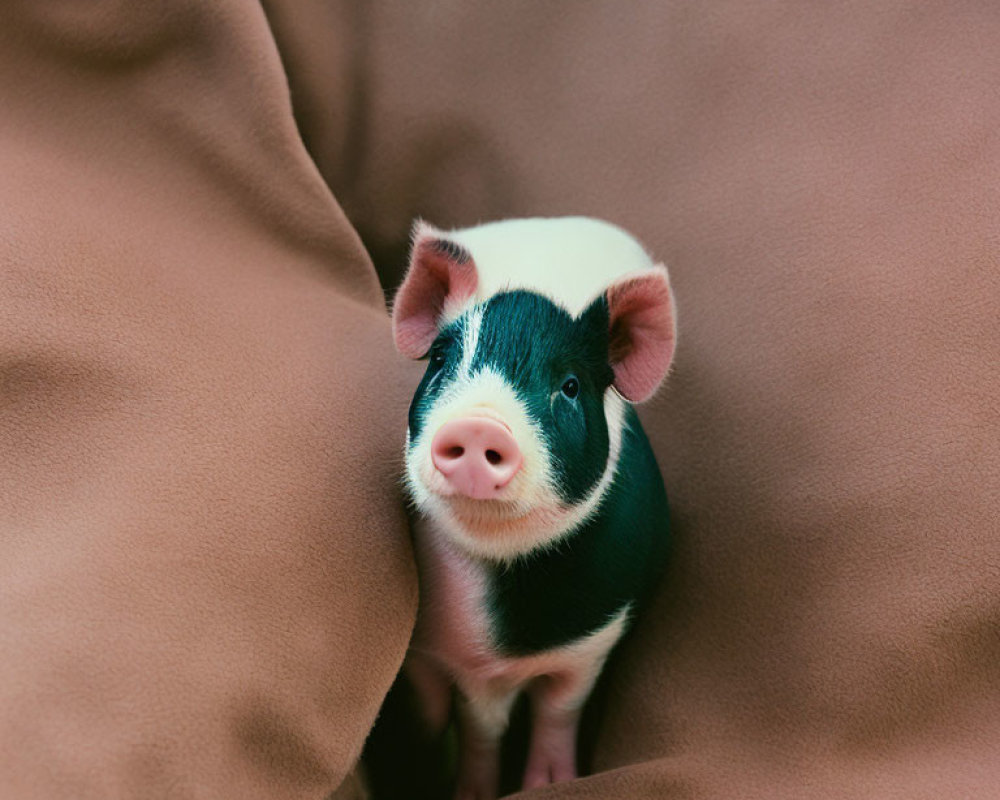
(492, 518)
(498, 529)
(503, 536)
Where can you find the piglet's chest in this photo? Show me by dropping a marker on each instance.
(453, 625)
(469, 612)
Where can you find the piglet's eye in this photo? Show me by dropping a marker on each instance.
(571, 388)
(437, 357)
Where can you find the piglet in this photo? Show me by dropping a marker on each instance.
(541, 514)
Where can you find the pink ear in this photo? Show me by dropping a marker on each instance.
(642, 329)
(441, 274)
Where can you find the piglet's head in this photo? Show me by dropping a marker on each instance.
(516, 429)
(441, 278)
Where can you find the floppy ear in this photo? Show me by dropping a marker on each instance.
(642, 331)
(441, 276)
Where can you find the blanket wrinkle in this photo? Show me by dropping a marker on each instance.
(206, 583)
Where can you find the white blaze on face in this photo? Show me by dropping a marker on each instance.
(471, 327)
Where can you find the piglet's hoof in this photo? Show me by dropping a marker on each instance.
(552, 758)
(477, 787)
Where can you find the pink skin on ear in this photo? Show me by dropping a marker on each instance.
(642, 332)
(440, 274)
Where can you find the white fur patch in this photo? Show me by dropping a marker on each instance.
(569, 260)
(471, 326)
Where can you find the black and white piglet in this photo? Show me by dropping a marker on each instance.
(541, 512)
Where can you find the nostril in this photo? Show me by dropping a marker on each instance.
(475, 457)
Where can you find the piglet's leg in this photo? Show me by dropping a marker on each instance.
(557, 703)
(433, 688)
(482, 721)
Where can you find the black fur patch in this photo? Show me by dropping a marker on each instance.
(549, 599)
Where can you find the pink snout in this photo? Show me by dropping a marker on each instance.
(477, 456)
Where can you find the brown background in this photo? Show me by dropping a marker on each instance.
(205, 582)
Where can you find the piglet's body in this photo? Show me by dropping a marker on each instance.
(542, 514)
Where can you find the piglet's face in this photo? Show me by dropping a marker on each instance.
(516, 427)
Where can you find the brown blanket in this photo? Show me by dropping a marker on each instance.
(204, 578)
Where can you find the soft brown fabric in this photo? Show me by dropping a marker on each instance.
(205, 586)
(204, 583)
(822, 181)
